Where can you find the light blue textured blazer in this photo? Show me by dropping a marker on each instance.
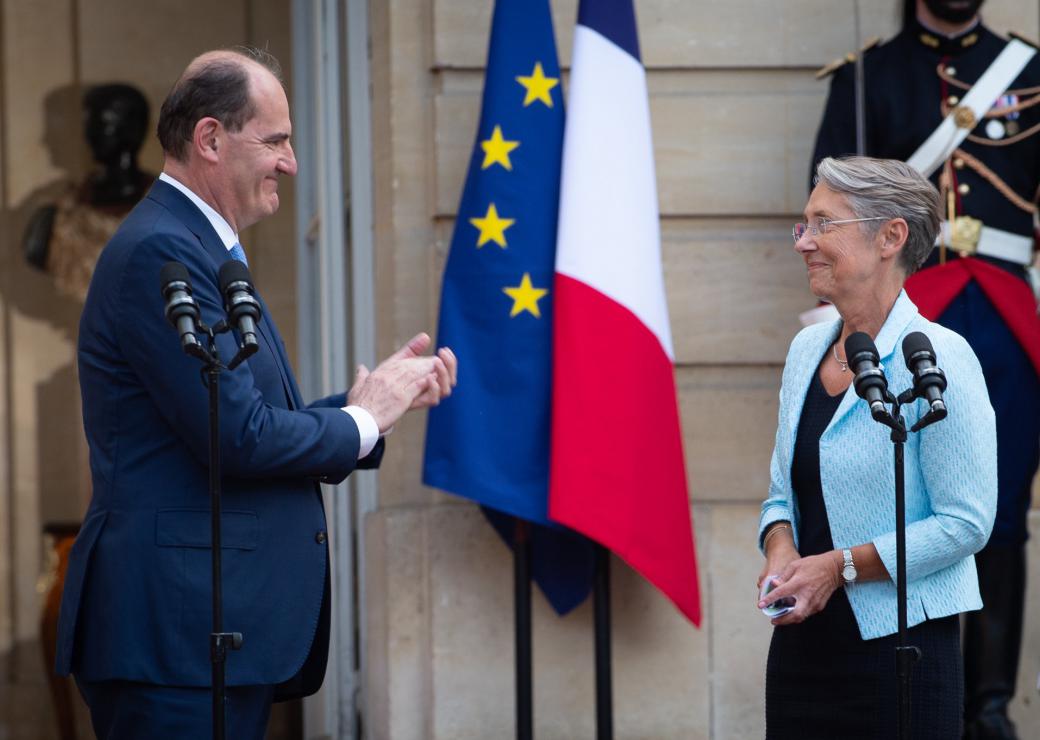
(951, 473)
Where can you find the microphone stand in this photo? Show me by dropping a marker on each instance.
(906, 655)
(219, 641)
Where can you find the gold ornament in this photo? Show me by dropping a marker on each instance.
(964, 117)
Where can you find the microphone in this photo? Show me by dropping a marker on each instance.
(870, 382)
(242, 308)
(929, 380)
(181, 310)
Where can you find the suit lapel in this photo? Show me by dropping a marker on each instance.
(804, 365)
(294, 390)
(188, 213)
(902, 313)
(273, 340)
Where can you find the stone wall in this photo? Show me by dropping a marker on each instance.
(735, 109)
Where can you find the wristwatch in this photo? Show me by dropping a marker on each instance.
(848, 570)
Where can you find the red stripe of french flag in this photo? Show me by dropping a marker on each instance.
(617, 472)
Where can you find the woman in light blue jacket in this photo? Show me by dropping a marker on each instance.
(828, 526)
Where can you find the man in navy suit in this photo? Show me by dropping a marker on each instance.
(135, 617)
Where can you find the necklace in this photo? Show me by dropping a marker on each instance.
(844, 363)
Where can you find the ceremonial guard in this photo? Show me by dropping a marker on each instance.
(962, 105)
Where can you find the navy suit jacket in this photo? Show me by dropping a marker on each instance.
(137, 599)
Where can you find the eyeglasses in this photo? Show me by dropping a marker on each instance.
(824, 224)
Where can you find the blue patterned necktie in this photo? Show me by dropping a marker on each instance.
(239, 254)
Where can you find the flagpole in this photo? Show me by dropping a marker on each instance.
(601, 611)
(860, 90)
(522, 627)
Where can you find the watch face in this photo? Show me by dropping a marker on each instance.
(849, 573)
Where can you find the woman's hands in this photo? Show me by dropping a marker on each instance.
(779, 556)
(810, 580)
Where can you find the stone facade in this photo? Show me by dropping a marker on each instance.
(734, 109)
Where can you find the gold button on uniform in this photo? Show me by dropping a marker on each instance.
(953, 100)
(964, 188)
(958, 164)
(951, 71)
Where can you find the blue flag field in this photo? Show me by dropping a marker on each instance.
(490, 441)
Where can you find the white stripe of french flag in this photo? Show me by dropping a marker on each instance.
(616, 469)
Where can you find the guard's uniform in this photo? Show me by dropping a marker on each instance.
(911, 83)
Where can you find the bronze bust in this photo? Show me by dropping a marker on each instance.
(65, 238)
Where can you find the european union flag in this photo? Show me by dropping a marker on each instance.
(490, 441)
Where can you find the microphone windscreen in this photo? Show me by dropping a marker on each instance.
(233, 271)
(858, 343)
(171, 272)
(915, 342)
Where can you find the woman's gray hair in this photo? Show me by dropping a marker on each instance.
(887, 188)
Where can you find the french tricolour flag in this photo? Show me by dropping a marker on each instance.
(617, 472)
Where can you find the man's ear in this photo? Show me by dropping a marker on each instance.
(893, 237)
(208, 140)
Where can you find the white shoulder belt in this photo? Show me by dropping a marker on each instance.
(937, 148)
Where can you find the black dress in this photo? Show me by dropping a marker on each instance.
(823, 681)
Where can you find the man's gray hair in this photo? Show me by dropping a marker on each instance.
(887, 188)
(219, 88)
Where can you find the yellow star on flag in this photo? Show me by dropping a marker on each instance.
(538, 86)
(492, 228)
(496, 150)
(525, 297)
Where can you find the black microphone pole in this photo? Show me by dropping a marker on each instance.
(522, 628)
(601, 619)
(219, 641)
(175, 275)
(929, 383)
(870, 384)
(906, 655)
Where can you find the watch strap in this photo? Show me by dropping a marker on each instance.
(848, 567)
